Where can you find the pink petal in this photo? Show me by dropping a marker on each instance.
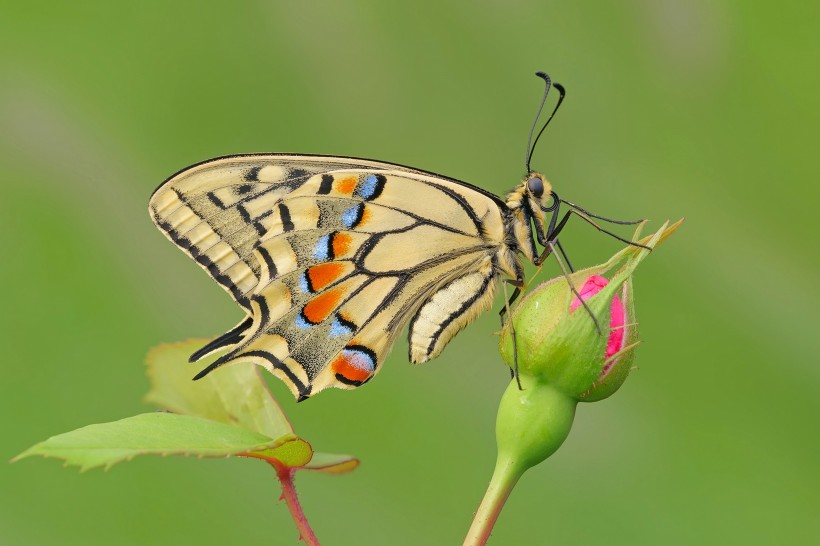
(592, 286)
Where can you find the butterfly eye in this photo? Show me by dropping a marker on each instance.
(536, 187)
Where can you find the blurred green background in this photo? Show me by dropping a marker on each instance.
(707, 110)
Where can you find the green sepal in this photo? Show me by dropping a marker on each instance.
(548, 335)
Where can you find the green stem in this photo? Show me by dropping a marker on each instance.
(532, 423)
(505, 476)
(285, 475)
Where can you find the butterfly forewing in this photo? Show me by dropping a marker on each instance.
(217, 212)
(330, 257)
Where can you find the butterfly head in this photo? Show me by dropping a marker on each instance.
(539, 193)
(533, 195)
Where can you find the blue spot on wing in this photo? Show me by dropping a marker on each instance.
(367, 188)
(359, 359)
(351, 216)
(340, 328)
(301, 322)
(371, 186)
(303, 283)
(320, 251)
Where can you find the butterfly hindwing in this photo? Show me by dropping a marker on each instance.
(339, 336)
(331, 257)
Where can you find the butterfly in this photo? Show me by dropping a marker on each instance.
(330, 257)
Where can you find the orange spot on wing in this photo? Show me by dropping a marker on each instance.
(365, 216)
(347, 185)
(341, 244)
(324, 274)
(345, 366)
(320, 307)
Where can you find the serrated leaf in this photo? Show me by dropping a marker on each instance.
(229, 413)
(235, 395)
(157, 433)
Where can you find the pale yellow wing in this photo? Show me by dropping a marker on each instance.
(330, 257)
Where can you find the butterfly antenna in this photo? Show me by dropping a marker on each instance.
(562, 93)
(548, 81)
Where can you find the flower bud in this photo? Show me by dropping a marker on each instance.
(584, 350)
(561, 344)
(562, 359)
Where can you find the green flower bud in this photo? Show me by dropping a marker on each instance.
(559, 342)
(562, 359)
(584, 351)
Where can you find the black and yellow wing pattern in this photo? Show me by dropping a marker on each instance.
(330, 257)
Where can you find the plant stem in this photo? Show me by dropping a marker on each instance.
(505, 476)
(285, 475)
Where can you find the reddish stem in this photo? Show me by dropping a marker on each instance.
(285, 475)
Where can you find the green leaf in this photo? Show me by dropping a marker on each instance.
(230, 412)
(156, 433)
(233, 394)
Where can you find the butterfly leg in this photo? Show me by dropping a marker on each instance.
(572, 287)
(547, 251)
(505, 313)
(518, 284)
(594, 224)
(551, 234)
(564, 254)
(553, 246)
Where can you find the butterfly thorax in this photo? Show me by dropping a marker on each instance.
(526, 204)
